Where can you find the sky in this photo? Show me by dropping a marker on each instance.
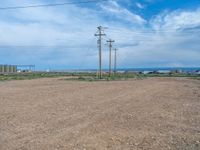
(147, 33)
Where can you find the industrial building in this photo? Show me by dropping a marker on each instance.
(8, 68)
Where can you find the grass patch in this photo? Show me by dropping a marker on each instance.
(29, 76)
(89, 76)
(196, 78)
(182, 75)
(129, 76)
(117, 77)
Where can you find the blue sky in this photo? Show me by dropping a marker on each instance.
(148, 33)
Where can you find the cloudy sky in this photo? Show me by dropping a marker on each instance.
(148, 33)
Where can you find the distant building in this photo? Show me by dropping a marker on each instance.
(121, 72)
(8, 69)
(198, 72)
(177, 71)
(164, 71)
(134, 72)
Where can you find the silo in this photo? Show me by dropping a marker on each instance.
(1, 70)
(10, 69)
(14, 68)
(4, 68)
(7, 68)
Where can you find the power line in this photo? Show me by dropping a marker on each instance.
(110, 55)
(45, 46)
(150, 31)
(154, 32)
(50, 5)
(90, 46)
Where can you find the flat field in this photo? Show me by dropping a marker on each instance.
(50, 114)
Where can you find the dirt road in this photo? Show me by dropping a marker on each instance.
(50, 114)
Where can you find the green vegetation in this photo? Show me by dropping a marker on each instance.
(89, 76)
(172, 75)
(29, 76)
(196, 78)
(106, 77)
(128, 76)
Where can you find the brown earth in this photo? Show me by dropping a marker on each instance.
(50, 114)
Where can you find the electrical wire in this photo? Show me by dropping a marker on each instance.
(154, 32)
(51, 5)
(43, 47)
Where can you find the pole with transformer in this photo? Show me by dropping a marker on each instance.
(100, 34)
(110, 55)
(115, 63)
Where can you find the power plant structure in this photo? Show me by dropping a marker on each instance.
(16, 68)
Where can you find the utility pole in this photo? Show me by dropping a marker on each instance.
(115, 65)
(100, 34)
(110, 55)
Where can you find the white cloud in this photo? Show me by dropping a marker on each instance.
(114, 9)
(74, 27)
(172, 40)
(177, 19)
(139, 5)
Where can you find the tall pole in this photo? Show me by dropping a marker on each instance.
(100, 34)
(110, 55)
(115, 65)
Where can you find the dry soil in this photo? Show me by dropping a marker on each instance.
(50, 114)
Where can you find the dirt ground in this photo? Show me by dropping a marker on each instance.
(51, 114)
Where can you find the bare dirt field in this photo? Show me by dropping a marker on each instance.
(50, 114)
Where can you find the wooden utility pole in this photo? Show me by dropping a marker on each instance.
(100, 34)
(115, 64)
(110, 55)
